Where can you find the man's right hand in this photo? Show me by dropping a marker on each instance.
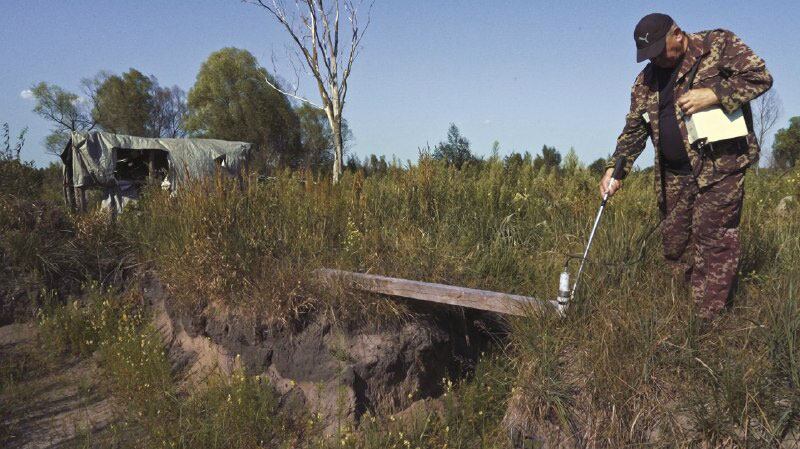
(604, 186)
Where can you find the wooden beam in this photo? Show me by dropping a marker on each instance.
(445, 294)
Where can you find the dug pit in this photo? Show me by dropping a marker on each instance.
(339, 371)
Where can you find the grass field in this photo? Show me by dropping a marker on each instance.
(629, 365)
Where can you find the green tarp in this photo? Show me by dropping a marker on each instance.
(99, 160)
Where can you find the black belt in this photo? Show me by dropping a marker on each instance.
(737, 145)
(713, 150)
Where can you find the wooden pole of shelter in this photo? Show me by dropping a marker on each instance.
(243, 175)
(444, 294)
(151, 166)
(80, 194)
(69, 197)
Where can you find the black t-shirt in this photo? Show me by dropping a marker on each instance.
(671, 146)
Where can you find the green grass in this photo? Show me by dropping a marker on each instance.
(629, 365)
(468, 415)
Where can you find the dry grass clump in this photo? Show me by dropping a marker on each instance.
(640, 369)
(468, 415)
(490, 227)
(629, 365)
(45, 249)
(237, 412)
(251, 250)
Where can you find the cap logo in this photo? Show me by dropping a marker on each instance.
(644, 38)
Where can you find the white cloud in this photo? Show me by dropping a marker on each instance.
(487, 121)
(26, 94)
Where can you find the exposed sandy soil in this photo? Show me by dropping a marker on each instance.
(340, 373)
(47, 403)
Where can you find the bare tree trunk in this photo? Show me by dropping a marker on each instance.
(335, 120)
(338, 151)
(314, 26)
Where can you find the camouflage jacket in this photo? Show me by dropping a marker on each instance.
(733, 72)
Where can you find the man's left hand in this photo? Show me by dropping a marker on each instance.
(697, 100)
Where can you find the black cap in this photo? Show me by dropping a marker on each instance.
(650, 35)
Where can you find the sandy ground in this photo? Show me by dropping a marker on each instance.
(50, 402)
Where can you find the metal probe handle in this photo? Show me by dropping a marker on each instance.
(619, 170)
(616, 175)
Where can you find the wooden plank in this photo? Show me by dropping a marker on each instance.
(445, 294)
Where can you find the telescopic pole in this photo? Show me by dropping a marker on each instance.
(619, 168)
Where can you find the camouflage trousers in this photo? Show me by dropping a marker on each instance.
(700, 234)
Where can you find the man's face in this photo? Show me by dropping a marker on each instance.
(673, 51)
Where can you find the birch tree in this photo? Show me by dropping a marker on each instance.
(315, 28)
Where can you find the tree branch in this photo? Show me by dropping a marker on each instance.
(355, 40)
(289, 94)
(333, 49)
(318, 38)
(278, 12)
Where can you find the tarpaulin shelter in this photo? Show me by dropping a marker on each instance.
(119, 165)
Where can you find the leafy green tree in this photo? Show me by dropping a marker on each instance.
(66, 111)
(456, 150)
(786, 148)
(130, 103)
(516, 159)
(571, 162)
(316, 138)
(598, 166)
(169, 111)
(135, 104)
(232, 99)
(376, 165)
(353, 164)
(550, 158)
(124, 104)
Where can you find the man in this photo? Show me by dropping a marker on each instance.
(700, 187)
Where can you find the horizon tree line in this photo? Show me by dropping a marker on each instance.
(234, 98)
(230, 100)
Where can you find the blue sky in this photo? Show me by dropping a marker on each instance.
(525, 73)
